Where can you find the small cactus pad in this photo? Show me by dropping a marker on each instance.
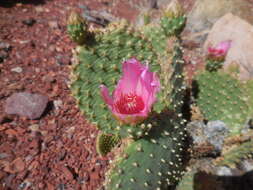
(77, 28)
(214, 65)
(153, 162)
(221, 97)
(173, 26)
(105, 143)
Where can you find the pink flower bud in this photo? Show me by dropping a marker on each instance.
(135, 93)
(220, 51)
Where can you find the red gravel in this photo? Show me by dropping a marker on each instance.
(56, 151)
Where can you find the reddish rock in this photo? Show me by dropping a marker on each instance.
(50, 186)
(11, 132)
(67, 173)
(2, 174)
(94, 176)
(26, 104)
(17, 165)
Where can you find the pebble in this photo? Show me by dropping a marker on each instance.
(5, 46)
(34, 127)
(57, 104)
(39, 9)
(67, 173)
(15, 166)
(26, 104)
(224, 171)
(17, 69)
(29, 22)
(53, 24)
(25, 185)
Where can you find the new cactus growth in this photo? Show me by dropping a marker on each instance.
(174, 19)
(105, 143)
(77, 28)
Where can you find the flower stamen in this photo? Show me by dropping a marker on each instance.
(129, 104)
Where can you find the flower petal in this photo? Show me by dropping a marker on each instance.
(106, 96)
(224, 46)
(132, 70)
(220, 50)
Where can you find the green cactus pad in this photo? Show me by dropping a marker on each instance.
(173, 26)
(105, 143)
(100, 62)
(153, 162)
(187, 181)
(236, 155)
(221, 97)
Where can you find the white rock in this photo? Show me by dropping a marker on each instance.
(206, 12)
(17, 69)
(231, 27)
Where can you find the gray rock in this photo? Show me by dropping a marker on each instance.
(206, 12)
(5, 46)
(207, 139)
(195, 129)
(224, 171)
(4, 50)
(57, 104)
(247, 165)
(216, 131)
(26, 104)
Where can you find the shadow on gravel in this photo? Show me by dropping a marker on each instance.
(204, 181)
(11, 3)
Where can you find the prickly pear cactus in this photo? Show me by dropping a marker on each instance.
(151, 153)
(222, 97)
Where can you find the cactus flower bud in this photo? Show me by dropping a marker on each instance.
(76, 27)
(220, 51)
(174, 10)
(134, 94)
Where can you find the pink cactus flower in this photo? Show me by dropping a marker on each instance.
(220, 51)
(135, 93)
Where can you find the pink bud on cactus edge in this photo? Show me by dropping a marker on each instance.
(135, 93)
(220, 51)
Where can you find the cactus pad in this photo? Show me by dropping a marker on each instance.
(105, 143)
(221, 97)
(100, 63)
(152, 162)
